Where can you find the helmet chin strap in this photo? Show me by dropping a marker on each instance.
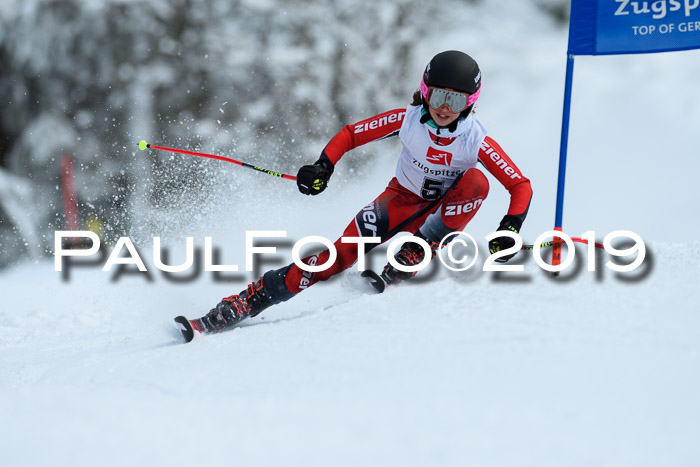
(426, 118)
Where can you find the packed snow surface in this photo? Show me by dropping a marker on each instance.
(468, 368)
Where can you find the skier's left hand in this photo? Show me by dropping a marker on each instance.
(513, 224)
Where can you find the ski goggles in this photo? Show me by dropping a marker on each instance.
(456, 101)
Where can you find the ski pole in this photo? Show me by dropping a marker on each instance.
(143, 145)
(551, 243)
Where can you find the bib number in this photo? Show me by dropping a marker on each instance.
(431, 189)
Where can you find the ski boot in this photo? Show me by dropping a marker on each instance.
(410, 254)
(235, 308)
(269, 290)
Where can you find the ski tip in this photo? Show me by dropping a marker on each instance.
(375, 280)
(185, 327)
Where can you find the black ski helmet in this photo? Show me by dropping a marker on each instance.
(455, 70)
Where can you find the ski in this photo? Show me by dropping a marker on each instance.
(375, 280)
(185, 327)
(191, 327)
(188, 328)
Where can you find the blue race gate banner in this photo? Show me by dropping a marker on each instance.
(600, 27)
(606, 27)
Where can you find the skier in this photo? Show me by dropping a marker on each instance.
(437, 188)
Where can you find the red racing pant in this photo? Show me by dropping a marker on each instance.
(399, 210)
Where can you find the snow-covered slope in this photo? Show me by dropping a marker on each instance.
(462, 369)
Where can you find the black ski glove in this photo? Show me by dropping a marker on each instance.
(509, 222)
(313, 179)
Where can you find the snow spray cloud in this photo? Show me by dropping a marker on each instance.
(458, 252)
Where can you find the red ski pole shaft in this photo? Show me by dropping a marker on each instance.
(143, 145)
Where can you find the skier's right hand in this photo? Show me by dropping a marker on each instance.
(313, 179)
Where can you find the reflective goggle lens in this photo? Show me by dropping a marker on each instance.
(456, 101)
